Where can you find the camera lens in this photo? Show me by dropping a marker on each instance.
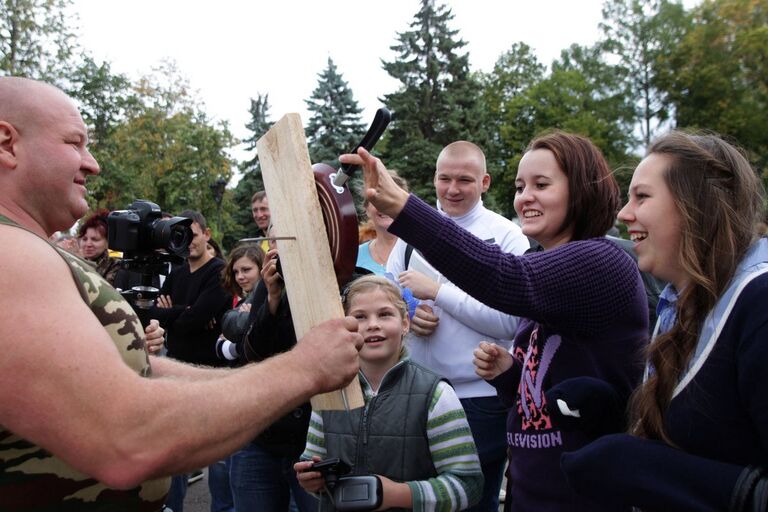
(179, 239)
(172, 235)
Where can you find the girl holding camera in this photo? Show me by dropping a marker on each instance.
(412, 432)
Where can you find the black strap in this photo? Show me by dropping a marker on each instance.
(408, 252)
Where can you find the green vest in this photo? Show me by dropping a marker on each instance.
(389, 435)
(33, 479)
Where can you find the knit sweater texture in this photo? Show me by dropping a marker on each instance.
(583, 313)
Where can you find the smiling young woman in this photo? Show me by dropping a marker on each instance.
(581, 303)
(700, 419)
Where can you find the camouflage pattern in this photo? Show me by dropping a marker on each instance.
(31, 479)
(107, 267)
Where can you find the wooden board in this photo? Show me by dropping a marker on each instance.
(310, 282)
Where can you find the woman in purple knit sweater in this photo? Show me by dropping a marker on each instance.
(577, 352)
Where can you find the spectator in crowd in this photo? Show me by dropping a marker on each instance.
(262, 474)
(448, 324)
(84, 427)
(240, 277)
(67, 242)
(365, 231)
(261, 216)
(92, 237)
(581, 302)
(373, 254)
(213, 248)
(412, 433)
(191, 304)
(699, 429)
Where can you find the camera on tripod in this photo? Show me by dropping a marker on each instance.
(149, 244)
(353, 493)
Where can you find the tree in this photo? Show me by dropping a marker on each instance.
(334, 126)
(508, 117)
(168, 160)
(582, 94)
(163, 148)
(251, 180)
(105, 98)
(639, 33)
(717, 78)
(36, 40)
(437, 102)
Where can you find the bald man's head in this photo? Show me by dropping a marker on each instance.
(44, 157)
(24, 102)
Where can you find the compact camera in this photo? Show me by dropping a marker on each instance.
(353, 493)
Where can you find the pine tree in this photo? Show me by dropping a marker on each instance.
(437, 102)
(334, 127)
(251, 180)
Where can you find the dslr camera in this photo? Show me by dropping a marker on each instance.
(352, 493)
(149, 243)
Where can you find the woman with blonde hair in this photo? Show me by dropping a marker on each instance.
(412, 433)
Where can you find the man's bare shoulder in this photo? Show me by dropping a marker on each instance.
(24, 255)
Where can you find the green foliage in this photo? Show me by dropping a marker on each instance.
(581, 95)
(334, 126)
(437, 102)
(105, 98)
(638, 33)
(717, 77)
(36, 40)
(251, 181)
(157, 144)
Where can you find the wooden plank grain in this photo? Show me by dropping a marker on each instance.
(306, 262)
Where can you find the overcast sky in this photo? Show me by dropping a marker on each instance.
(232, 50)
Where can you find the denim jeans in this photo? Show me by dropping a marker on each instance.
(487, 419)
(177, 492)
(218, 485)
(265, 482)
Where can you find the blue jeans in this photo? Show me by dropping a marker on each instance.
(267, 483)
(177, 492)
(218, 485)
(487, 419)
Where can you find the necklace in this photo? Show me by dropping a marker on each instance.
(375, 254)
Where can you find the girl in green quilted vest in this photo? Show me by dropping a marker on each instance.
(412, 433)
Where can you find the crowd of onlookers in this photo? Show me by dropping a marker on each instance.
(483, 344)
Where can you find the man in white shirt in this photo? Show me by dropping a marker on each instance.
(449, 324)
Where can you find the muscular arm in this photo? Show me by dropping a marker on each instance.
(65, 387)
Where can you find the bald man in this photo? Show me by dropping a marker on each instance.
(82, 426)
(449, 324)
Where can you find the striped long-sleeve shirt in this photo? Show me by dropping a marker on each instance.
(459, 482)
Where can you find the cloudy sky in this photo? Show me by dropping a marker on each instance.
(232, 50)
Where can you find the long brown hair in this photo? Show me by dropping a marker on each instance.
(720, 201)
(251, 251)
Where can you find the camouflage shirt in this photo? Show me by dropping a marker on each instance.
(107, 267)
(33, 479)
